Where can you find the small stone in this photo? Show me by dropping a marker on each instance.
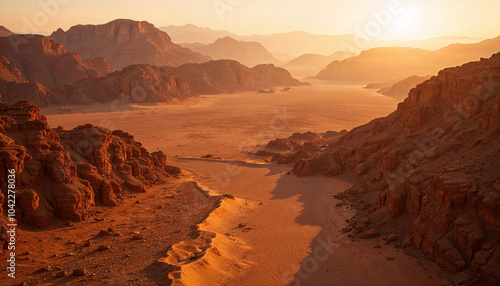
(392, 238)
(137, 237)
(137, 202)
(377, 246)
(44, 269)
(103, 232)
(371, 233)
(103, 248)
(61, 274)
(389, 258)
(79, 272)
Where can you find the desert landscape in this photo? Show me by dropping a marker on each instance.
(213, 149)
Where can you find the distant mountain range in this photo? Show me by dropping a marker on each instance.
(317, 61)
(382, 64)
(300, 43)
(247, 53)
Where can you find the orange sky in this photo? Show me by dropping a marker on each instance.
(412, 20)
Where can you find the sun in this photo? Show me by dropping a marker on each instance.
(408, 22)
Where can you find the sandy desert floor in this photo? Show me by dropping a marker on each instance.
(280, 229)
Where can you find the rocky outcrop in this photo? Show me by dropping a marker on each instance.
(437, 159)
(227, 76)
(63, 173)
(132, 85)
(126, 42)
(382, 64)
(9, 73)
(247, 53)
(42, 60)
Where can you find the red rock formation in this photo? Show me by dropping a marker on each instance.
(63, 173)
(9, 73)
(47, 62)
(134, 84)
(437, 158)
(226, 76)
(125, 42)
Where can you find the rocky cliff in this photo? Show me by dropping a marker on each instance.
(41, 60)
(436, 159)
(63, 173)
(227, 76)
(125, 42)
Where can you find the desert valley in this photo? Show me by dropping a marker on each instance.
(134, 153)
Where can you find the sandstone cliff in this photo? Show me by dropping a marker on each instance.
(125, 42)
(63, 173)
(227, 76)
(47, 62)
(435, 159)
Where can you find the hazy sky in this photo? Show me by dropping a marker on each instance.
(414, 19)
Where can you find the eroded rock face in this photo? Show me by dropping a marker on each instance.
(437, 158)
(134, 84)
(42, 60)
(125, 42)
(63, 173)
(226, 76)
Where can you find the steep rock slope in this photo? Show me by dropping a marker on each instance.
(63, 173)
(47, 62)
(437, 160)
(227, 76)
(126, 42)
